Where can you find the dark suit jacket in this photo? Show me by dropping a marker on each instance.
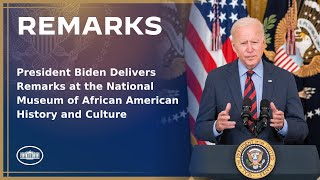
(223, 86)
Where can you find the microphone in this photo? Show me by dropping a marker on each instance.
(264, 111)
(246, 108)
(264, 115)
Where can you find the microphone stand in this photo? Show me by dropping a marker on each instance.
(259, 126)
(255, 131)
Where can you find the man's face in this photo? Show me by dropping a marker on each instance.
(249, 43)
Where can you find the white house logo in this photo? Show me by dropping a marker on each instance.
(29, 155)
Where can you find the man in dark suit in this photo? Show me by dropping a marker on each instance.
(219, 119)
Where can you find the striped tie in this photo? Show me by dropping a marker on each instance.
(250, 92)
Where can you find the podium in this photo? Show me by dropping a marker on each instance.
(292, 162)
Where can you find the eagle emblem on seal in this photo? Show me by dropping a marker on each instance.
(255, 158)
(306, 61)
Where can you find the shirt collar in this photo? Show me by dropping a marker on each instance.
(258, 70)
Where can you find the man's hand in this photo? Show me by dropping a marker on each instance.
(223, 120)
(278, 117)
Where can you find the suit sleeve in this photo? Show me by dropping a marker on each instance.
(207, 112)
(297, 126)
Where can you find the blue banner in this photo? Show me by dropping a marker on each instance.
(94, 90)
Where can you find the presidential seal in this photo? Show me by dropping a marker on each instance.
(255, 158)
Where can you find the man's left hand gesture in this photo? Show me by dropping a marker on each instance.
(277, 120)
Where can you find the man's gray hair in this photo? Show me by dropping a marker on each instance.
(246, 21)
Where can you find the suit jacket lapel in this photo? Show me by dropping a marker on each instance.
(268, 81)
(233, 80)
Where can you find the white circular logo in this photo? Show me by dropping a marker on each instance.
(29, 155)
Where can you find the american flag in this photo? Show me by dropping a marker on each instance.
(200, 57)
(285, 61)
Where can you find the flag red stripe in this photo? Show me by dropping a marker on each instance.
(198, 46)
(279, 57)
(228, 52)
(193, 83)
(295, 69)
(284, 62)
(287, 67)
(192, 124)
